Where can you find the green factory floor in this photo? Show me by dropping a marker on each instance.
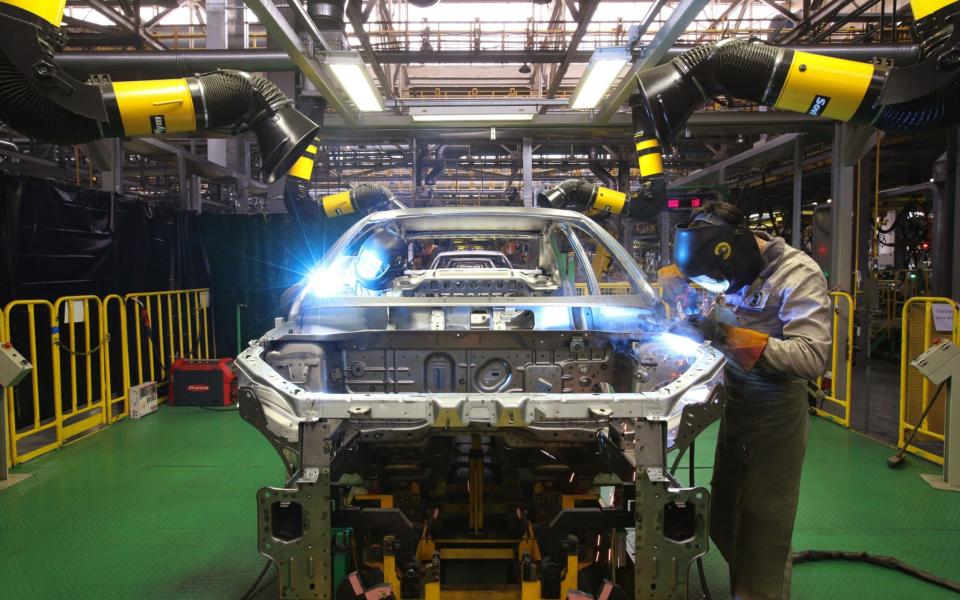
(164, 508)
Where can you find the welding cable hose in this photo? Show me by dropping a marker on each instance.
(39, 100)
(918, 99)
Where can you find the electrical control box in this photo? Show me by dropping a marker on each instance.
(939, 362)
(13, 366)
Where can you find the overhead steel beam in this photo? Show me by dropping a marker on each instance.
(124, 23)
(681, 17)
(176, 63)
(842, 20)
(356, 20)
(723, 16)
(764, 152)
(824, 15)
(278, 26)
(782, 10)
(587, 9)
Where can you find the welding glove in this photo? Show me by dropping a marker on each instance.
(673, 285)
(743, 347)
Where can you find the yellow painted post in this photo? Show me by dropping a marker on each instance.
(109, 341)
(88, 358)
(153, 370)
(173, 352)
(138, 319)
(189, 309)
(206, 326)
(161, 350)
(180, 325)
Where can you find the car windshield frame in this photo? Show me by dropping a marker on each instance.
(525, 222)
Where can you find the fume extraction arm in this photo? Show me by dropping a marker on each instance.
(915, 99)
(38, 99)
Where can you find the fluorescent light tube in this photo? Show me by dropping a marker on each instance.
(352, 75)
(605, 65)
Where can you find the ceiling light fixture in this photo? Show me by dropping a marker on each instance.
(472, 114)
(525, 69)
(351, 73)
(605, 65)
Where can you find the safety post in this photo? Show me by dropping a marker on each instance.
(925, 319)
(841, 359)
(116, 346)
(41, 433)
(81, 342)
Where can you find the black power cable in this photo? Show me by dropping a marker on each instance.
(899, 458)
(887, 562)
(704, 588)
(256, 582)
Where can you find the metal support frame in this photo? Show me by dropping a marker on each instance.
(945, 244)
(355, 15)
(796, 212)
(763, 152)
(820, 17)
(281, 29)
(850, 143)
(783, 11)
(681, 17)
(125, 23)
(528, 199)
(107, 157)
(587, 9)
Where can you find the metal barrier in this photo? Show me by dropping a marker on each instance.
(81, 340)
(921, 323)
(81, 350)
(841, 361)
(168, 326)
(116, 346)
(35, 429)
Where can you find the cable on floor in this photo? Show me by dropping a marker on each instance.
(256, 583)
(887, 562)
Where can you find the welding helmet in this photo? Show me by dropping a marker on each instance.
(718, 256)
(381, 258)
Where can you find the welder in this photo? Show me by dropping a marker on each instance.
(772, 322)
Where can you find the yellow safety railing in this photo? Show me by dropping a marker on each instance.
(81, 337)
(80, 348)
(37, 340)
(118, 388)
(168, 326)
(841, 360)
(921, 325)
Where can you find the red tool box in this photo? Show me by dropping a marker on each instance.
(202, 382)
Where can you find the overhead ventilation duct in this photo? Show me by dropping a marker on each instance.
(444, 154)
(915, 99)
(583, 196)
(39, 100)
(363, 199)
(600, 172)
(327, 15)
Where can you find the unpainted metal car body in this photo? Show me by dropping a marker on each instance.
(490, 422)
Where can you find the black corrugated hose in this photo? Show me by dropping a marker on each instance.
(741, 68)
(370, 195)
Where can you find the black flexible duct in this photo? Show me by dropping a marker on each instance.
(571, 194)
(600, 172)
(370, 196)
(747, 69)
(39, 100)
